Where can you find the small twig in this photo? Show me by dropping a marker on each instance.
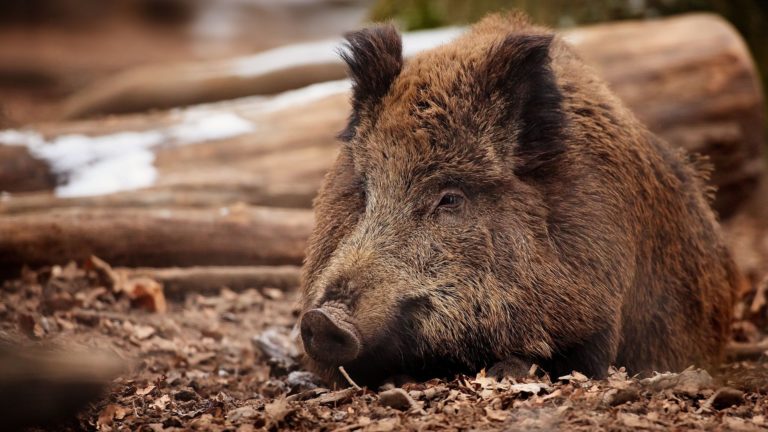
(348, 378)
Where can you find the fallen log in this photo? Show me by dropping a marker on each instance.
(178, 282)
(269, 72)
(689, 78)
(741, 351)
(160, 237)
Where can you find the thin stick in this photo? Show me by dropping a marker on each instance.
(349, 379)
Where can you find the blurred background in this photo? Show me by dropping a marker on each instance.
(50, 49)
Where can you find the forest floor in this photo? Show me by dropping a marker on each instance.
(225, 362)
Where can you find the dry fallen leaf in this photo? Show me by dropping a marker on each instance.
(497, 415)
(761, 297)
(146, 293)
(161, 402)
(383, 425)
(142, 332)
(242, 414)
(106, 417)
(278, 410)
(575, 377)
(145, 391)
(106, 275)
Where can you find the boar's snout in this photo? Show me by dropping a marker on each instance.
(328, 336)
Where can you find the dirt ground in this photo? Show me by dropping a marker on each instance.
(226, 362)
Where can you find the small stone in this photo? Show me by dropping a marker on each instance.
(396, 398)
(299, 381)
(622, 396)
(726, 397)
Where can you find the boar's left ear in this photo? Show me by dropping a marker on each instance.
(374, 58)
(519, 74)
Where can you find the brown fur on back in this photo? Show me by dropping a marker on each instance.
(583, 241)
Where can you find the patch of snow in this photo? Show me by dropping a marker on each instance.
(306, 94)
(286, 57)
(327, 51)
(422, 40)
(95, 165)
(573, 37)
(203, 125)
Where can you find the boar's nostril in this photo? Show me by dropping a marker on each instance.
(327, 339)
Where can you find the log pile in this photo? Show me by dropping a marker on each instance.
(243, 198)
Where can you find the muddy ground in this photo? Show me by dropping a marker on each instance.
(225, 362)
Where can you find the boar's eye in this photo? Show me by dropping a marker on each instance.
(451, 199)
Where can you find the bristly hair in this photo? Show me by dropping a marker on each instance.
(374, 58)
(519, 70)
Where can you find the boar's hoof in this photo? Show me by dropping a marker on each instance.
(328, 339)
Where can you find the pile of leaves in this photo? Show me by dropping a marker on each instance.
(229, 362)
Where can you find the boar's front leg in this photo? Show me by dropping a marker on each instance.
(591, 357)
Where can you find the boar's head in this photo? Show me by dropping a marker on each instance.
(431, 252)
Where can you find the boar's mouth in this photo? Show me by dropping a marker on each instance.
(331, 340)
(385, 362)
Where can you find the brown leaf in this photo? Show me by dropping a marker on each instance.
(145, 391)
(104, 272)
(106, 417)
(383, 425)
(497, 415)
(142, 332)
(29, 325)
(242, 414)
(146, 293)
(278, 410)
(574, 377)
(334, 397)
(161, 402)
(634, 421)
(761, 297)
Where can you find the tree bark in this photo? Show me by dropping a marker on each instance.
(159, 237)
(178, 282)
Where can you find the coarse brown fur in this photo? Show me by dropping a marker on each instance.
(580, 240)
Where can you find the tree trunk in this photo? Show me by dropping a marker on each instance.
(156, 237)
(178, 282)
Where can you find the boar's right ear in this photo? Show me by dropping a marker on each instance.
(374, 58)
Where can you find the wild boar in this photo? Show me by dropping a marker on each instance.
(494, 202)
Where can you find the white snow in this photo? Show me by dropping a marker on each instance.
(95, 165)
(306, 94)
(327, 51)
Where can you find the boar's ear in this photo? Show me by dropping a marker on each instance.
(374, 58)
(519, 74)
